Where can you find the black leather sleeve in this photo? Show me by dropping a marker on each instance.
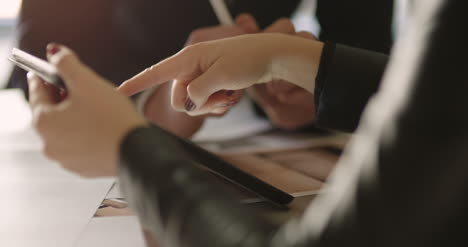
(178, 202)
(402, 182)
(347, 79)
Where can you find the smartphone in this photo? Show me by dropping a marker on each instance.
(41, 68)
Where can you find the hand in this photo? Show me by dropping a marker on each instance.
(286, 105)
(158, 108)
(83, 132)
(244, 24)
(204, 70)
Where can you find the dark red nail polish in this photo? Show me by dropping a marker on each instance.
(53, 49)
(230, 92)
(189, 105)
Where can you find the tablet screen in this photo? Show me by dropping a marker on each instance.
(228, 171)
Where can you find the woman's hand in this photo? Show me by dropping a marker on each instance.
(203, 70)
(83, 132)
(286, 105)
(158, 108)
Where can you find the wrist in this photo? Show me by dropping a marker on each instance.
(297, 61)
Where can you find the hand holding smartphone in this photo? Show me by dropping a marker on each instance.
(41, 68)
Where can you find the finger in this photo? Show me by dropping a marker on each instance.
(179, 95)
(306, 35)
(74, 73)
(58, 94)
(208, 83)
(219, 102)
(217, 99)
(248, 23)
(39, 96)
(182, 102)
(160, 73)
(282, 25)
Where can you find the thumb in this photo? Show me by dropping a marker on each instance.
(74, 73)
(200, 89)
(248, 23)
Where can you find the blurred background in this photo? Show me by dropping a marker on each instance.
(117, 38)
(9, 10)
(97, 29)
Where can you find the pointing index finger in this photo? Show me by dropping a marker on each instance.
(157, 74)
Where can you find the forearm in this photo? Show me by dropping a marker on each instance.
(348, 77)
(296, 60)
(402, 182)
(180, 203)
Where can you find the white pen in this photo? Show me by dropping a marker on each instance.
(222, 12)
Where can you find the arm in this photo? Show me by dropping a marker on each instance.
(346, 80)
(155, 103)
(401, 183)
(187, 201)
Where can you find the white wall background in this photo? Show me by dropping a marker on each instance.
(8, 12)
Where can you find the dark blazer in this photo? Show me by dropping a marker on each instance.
(402, 182)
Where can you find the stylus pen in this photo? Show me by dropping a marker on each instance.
(222, 12)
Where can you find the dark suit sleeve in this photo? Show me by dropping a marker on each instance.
(402, 182)
(347, 79)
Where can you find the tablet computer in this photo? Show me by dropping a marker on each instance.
(227, 171)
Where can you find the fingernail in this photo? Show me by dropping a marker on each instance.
(230, 92)
(189, 105)
(53, 49)
(231, 103)
(222, 105)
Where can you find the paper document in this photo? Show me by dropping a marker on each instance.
(47, 213)
(42, 203)
(240, 121)
(113, 231)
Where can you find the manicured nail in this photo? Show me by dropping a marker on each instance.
(189, 105)
(230, 92)
(53, 49)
